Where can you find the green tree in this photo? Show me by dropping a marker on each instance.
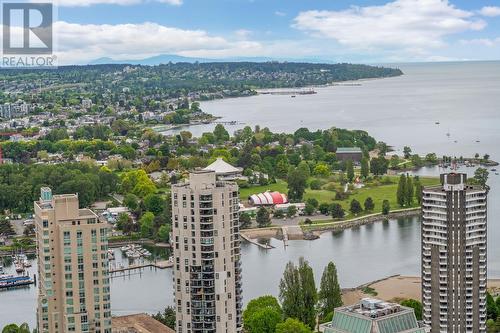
(415, 305)
(154, 203)
(262, 315)
(245, 220)
(303, 166)
(330, 295)
(163, 233)
(297, 183)
(309, 209)
(263, 219)
(291, 211)
(125, 223)
(407, 152)
(292, 325)
(13, 328)
(401, 192)
(355, 207)
(282, 166)
(379, 165)
(167, 318)
(350, 170)
(491, 326)
(324, 208)
(491, 307)
(369, 204)
(147, 224)
(365, 168)
(481, 176)
(337, 211)
(313, 202)
(298, 293)
(431, 158)
(416, 160)
(322, 170)
(418, 189)
(410, 191)
(386, 207)
(220, 133)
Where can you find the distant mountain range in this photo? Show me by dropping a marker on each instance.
(166, 58)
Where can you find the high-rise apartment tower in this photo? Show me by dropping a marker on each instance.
(73, 284)
(207, 271)
(454, 256)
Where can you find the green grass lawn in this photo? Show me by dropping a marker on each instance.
(280, 186)
(377, 193)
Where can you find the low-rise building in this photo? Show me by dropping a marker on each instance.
(372, 315)
(138, 323)
(354, 154)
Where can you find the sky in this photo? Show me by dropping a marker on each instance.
(369, 31)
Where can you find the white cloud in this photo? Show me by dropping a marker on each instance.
(402, 24)
(86, 3)
(279, 13)
(481, 41)
(77, 43)
(243, 33)
(490, 11)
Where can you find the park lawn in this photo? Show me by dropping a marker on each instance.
(280, 186)
(377, 193)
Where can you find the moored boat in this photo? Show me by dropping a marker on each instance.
(11, 281)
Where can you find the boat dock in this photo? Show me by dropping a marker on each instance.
(288, 92)
(253, 241)
(158, 264)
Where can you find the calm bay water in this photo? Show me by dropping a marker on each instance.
(463, 97)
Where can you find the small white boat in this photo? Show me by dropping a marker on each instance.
(19, 268)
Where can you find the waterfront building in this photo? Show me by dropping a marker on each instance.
(354, 154)
(454, 256)
(207, 266)
(372, 315)
(73, 272)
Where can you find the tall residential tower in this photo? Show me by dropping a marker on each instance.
(454, 256)
(207, 271)
(73, 284)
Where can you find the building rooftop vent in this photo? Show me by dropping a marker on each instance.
(45, 194)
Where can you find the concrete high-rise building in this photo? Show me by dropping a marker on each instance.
(73, 283)
(454, 256)
(207, 271)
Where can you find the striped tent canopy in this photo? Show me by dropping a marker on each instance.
(268, 199)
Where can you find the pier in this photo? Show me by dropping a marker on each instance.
(288, 92)
(253, 241)
(158, 264)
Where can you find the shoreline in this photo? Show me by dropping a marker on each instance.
(314, 231)
(396, 288)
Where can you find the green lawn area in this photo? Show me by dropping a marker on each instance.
(280, 186)
(377, 193)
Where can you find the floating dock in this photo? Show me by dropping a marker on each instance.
(159, 264)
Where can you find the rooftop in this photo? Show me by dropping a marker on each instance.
(372, 315)
(349, 150)
(373, 308)
(221, 167)
(138, 323)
